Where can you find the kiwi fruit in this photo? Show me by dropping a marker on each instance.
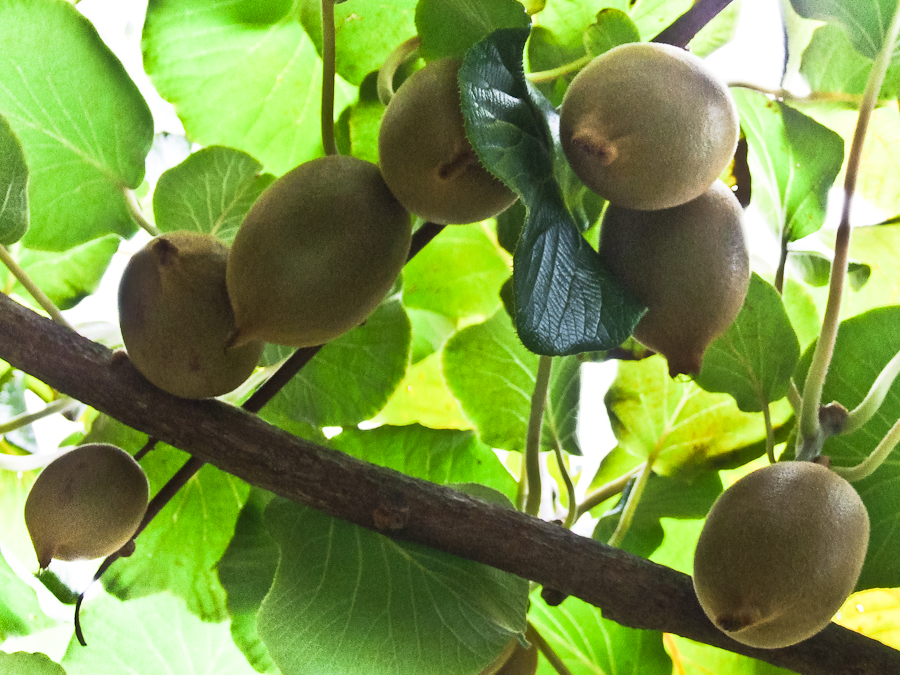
(425, 157)
(176, 317)
(515, 659)
(688, 265)
(648, 126)
(86, 504)
(780, 552)
(316, 254)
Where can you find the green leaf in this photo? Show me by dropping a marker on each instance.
(347, 600)
(588, 644)
(364, 121)
(700, 659)
(180, 547)
(801, 309)
(493, 376)
(864, 21)
(450, 27)
(438, 455)
(68, 277)
(830, 64)
(865, 344)
(429, 332)
(793, 162)
(84, 126)
(210, 192)
(255, 88)
(566, 300)
(458, 274)
(663, 497)
(718, 32)
(20, 612)
(755, 358)
(151, 635)
(14, 185)
(366, 32)
(612, 28)
(23, 663)
(351, 378)
(688, 430)
(815, 269)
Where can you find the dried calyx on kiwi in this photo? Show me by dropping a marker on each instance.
(86, 504)
(176, 317)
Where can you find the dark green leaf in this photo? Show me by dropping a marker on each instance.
(84, 126)
(815, 269)
(612, 28)
(864, 21)
(755, 358)
(14, 186)
(566, 301)
(457, 613)
(210, 192)
(450, 27)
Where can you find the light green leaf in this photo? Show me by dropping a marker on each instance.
(814, 268)
(438, 455)
(801, 309)
(23, 663)
(180, 547)
(251, 87)
(149, 636)
(755, 358)
(458, 275)
(210, 192)
(84, 126)
(429, 332)
(68, 277)
(351, 378)
(718, 32)
(493, 376)
(865, 343)
(689, 430)
(830, 64)
(700, 659)
(612, 28)
(450, 27)
(20, 612)
(352, 601)
(589, 644)
(793, 163)
(864, 21)
(13, 186)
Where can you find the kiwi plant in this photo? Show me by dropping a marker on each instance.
(645, 126)
(86, 504)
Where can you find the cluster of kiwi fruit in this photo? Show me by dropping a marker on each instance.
(650, 129)
(780, 552)
(86, 504)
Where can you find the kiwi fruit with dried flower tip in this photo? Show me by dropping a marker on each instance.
(780, 552)
(176, 317)
(316, 254)
(648, 126)
(425, 157)
(86, 504)
(688, 265)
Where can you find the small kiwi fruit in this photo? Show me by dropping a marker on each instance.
(780, 552)
(176, 317)
(689, 265)
(516, 659)
(316, 254)
(425, 157)
(86, 504)
(648, 126)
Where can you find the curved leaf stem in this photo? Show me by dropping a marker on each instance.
(570, 487)
(545, 649)
(385, 82)
(865, 468)
(631, 505)
(40, 297)
(23, 420)
(551, 75)
(611, 489)
(137, 214)
(809, 428)
(328, 70)
(770, 433)
(873, 400)
(811, 97)
(533, 438)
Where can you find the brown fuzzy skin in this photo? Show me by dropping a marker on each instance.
(317, 253)
(647, 126)
(780, 552)
(86, 504)
(425, 157)
(176, 317)
(689, 265)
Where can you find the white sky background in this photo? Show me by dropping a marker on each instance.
(755, 55)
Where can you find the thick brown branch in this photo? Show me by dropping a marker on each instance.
(629, 589)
